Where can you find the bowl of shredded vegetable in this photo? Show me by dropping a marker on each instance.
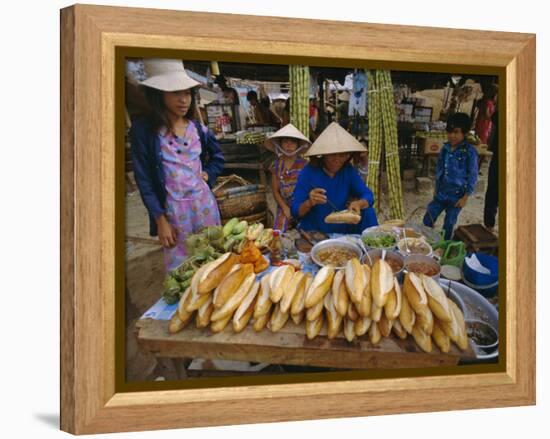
(378, 239)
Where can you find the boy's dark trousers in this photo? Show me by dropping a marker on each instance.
(491, 196)
(439, 204)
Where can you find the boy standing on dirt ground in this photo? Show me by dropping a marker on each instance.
(455, 175)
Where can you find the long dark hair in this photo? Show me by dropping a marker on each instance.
(157, 110)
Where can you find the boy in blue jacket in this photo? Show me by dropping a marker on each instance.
(455, 175)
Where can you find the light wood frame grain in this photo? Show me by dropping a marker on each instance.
(90, 36)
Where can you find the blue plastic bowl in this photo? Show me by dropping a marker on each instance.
(486, 284)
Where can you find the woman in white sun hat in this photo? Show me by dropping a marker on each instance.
(330, 183)
(176, 159)
(289, 144)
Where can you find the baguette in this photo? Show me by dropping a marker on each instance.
(334, 319)
(381, 282)
(195, 280)
(248, 301)
(219, 325)
(441, 339)
(414, 290)
(319, 287)
(376, 313)
(182, 305)
(364, 307)
(235, 300)
(299, 301)
(355, 279)
(392, 308)
(298, 318)
(352, 313)
(231, 283)
(349, 330)
(437, 300)
(196, 300)
(361, 326)
(462, 339)
(343, 217)
(214, 274)
(204, 313)
(261, 322)
(423, 340)
(374, 333)
(296, 284)
(340, 294)
(407, 317)
(385, 325)
(240, 323)
(278, 319)
(264, 303)
(176, 324)
(425, 321)
(279, 281)
(314, 312)
(451, 328)
(313, 327)
(399, 330)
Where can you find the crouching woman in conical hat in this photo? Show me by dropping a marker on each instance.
(289, 144)
(329, 182)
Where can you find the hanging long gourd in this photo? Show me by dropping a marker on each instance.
(299, 97)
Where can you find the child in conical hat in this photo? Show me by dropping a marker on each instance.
(288, 143)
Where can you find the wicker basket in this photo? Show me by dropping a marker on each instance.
(239, 198)
(251, 219)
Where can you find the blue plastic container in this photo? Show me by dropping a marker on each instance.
(486, 284)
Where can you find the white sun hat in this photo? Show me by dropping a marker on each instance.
(167, 75)
(273, 142)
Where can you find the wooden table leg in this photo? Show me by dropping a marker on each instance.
(175, 368)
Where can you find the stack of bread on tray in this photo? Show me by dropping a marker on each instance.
(356, 301)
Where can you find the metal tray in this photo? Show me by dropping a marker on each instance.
(475, 307)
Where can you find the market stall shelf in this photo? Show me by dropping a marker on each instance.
(290, 346)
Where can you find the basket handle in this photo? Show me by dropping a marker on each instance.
(230, 178)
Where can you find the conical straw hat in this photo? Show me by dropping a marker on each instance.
(287, 131)
(335, 139)
(167, 75)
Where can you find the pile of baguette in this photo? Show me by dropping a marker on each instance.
(356, 300)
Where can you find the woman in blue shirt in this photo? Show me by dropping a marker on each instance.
(330, 177)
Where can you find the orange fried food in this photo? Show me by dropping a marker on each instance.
(260, 265)
(250, 253)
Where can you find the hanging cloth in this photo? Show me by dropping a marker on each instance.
(358, 98)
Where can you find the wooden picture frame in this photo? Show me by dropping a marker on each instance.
(91, 400)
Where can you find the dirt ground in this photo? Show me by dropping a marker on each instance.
(145, 265)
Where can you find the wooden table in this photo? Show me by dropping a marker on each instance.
(288, 346)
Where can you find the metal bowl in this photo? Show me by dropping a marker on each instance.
(404, 246)
(376, 232)
(427, 260)
(334, 243)
(481, 325)
(374, 255)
